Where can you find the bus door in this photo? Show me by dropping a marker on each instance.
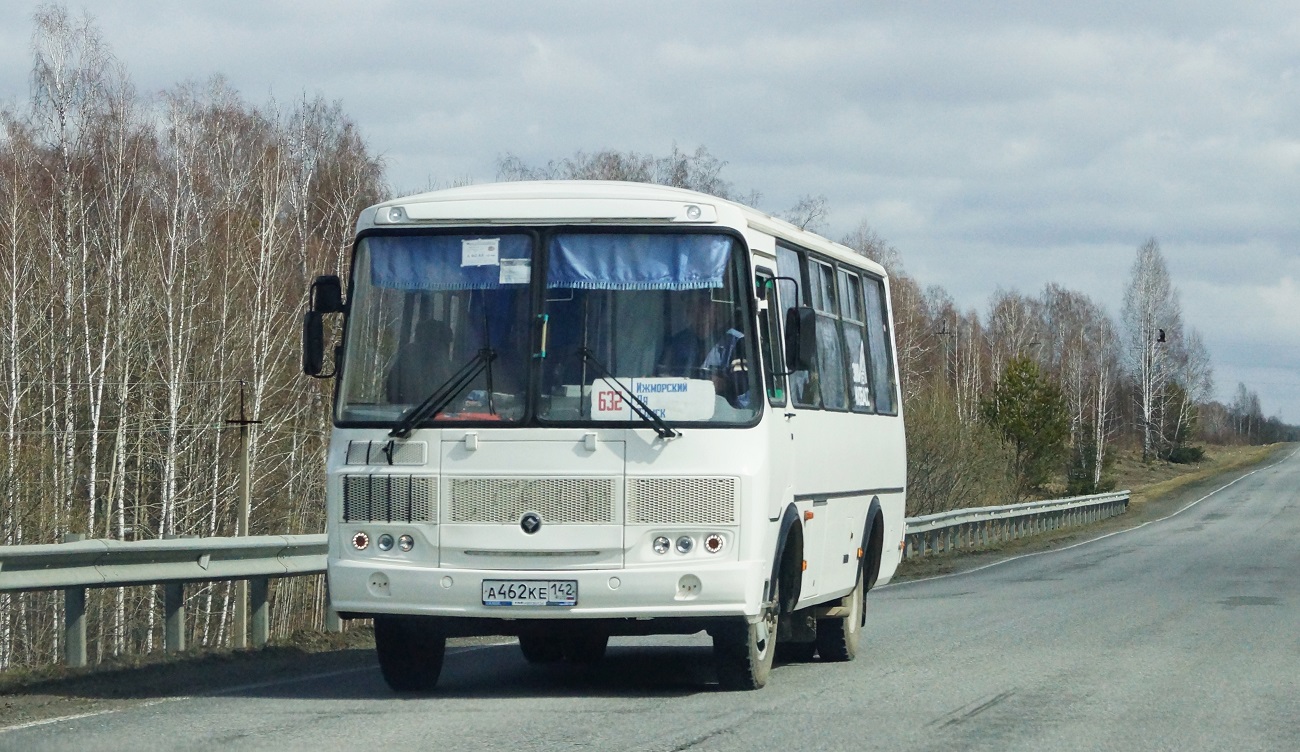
(782, 423)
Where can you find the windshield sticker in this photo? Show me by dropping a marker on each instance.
(516, 271)
(673, 399)
(480, 252)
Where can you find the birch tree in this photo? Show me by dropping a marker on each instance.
(1151, 317)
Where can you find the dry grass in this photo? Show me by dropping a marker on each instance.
(1155, 479)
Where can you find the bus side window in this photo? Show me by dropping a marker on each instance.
(855, 342)
(830, 355)
(768, 322)
(803, 384)
(884, 381)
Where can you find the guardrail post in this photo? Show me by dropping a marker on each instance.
(174, 608)
(74, 617)
(332, 621)
(257, 592)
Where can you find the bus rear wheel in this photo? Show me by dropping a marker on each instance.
(744, 651)
(837, 637)
(410, 651)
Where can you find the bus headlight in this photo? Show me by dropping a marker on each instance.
(385, 542)
(685, 544)
(661, 545)
(406, 543)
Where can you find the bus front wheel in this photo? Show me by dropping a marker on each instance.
(410, 651)
(743, 651)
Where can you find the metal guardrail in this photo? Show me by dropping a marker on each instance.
(980, 526)
(76, 565)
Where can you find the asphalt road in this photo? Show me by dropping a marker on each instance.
(1183, 634)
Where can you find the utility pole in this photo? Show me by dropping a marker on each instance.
(241, 526)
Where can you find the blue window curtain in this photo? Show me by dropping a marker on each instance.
(629, 261)
(434, 262)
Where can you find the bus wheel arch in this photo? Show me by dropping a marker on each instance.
(873, 535)
(787, 565)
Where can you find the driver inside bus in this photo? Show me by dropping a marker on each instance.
(422, 364)
(701, 349)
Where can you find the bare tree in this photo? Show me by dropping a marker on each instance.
(1014, 329)
(1152, 318)
(808, 213)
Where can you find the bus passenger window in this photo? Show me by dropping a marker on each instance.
(883, 379)
(855, 342)
(830, 358)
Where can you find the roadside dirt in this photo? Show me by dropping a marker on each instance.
(30, 697)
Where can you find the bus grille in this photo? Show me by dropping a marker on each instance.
(685, 501)
(561, 501)
(386, 453)
(390, 498)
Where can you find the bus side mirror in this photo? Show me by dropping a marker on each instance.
(313, 343)
(800, 338)
(327, 294)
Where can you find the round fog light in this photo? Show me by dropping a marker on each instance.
(385, 542)
(661, 545)
(360, 541)
(685, 544)
(406, 543)
(713, 543)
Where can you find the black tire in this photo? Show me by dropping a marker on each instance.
(837, 637)
(410, 651)
(541, 647)
(587, 648)
(743, 651)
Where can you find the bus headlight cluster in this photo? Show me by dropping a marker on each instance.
(713, 543)
(385, 542)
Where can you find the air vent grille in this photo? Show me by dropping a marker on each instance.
(387, 452)
(390, 498)
(681, 501)
(561, 501)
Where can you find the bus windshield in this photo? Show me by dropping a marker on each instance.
(661, 314)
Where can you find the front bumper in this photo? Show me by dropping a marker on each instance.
(362, 588)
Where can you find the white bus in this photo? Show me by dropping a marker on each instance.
(570, 410)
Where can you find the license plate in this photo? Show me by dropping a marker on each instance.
(530, 592)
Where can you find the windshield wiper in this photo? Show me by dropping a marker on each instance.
(445, 393)
(638, 405)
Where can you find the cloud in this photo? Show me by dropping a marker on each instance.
(1006, 144)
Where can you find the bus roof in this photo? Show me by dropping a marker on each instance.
(591, 202)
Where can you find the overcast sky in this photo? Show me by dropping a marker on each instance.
(1005, 144)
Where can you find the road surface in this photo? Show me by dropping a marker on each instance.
(1183, 634)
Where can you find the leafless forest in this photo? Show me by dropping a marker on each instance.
(156, 252)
